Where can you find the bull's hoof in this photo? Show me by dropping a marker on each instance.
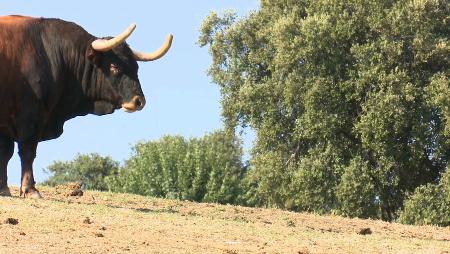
(4, 192)
(31, 193)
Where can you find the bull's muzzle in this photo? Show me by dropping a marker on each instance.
(135, 104)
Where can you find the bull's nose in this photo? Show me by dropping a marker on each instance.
(139, 102)
(135, 104)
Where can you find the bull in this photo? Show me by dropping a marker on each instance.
(51, 71)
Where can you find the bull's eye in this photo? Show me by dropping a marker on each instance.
(114, 69)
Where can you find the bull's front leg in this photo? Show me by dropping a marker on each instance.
(27, 153)
(6, 152)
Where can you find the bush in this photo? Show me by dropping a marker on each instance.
(199, 169)
(91, 169)
(429, 204)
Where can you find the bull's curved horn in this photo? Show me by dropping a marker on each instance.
(105, 45)
(140, 56)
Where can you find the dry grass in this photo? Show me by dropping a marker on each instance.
(119, 223)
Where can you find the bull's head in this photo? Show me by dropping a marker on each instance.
(117, 66)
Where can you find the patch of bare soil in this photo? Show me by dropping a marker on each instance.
(99, 222)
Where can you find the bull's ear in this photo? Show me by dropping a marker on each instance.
(94, 56)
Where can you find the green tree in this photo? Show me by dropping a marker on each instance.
(336, 91)
(91, 169)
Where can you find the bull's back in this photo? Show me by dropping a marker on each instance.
(15, 40)
(14, 43)
(14, 19)
(14, 35)
(13, 30)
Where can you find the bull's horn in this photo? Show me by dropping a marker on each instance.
(140, 56)
(105, 45)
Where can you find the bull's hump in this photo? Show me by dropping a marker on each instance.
(15, 19)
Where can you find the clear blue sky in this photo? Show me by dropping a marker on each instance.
(180, 96)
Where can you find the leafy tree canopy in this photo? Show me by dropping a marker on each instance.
(349, 99)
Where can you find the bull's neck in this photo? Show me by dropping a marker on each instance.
(84, 75)
(67, 45)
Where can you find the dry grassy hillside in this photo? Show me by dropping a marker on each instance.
(101, 222)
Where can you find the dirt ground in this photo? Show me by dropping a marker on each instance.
(100, 222)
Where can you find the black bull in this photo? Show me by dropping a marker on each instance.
(51, 71)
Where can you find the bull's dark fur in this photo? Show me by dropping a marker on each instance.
(49, 73)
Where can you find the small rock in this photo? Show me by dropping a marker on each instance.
(75, 189)
(22, 233)
(99, 235)
(103, 228)
(76, 193)
(87, 220)
(290, 223)
(70, 189)
(11, 221)
(365, 231)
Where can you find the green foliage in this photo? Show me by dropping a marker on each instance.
(91, 169)
(200, 169)
(430, 204)
(314, 180)
(153, 169)
(356, 191)
(348, 99)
